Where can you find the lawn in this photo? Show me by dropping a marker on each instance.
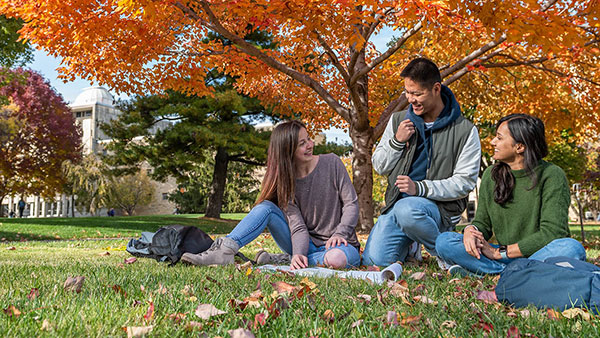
(117, 294)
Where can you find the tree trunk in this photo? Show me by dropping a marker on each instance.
(217, 189)
(2, 210)
(362, 177)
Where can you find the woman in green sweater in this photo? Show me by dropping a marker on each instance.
(523, 202)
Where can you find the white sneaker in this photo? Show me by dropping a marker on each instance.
(414, 251)
(443, 264)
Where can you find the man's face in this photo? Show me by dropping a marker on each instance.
(423, 100)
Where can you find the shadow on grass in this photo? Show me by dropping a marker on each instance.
(15, 229)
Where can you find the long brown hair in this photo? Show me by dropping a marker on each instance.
(530, 132)
(278, 186)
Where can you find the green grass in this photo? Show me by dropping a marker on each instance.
(117, 295)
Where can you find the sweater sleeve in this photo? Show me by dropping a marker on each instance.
(349, 201)
(388, 150)
(482, 217)
(298, 230)
(554, 215)
(464, 176)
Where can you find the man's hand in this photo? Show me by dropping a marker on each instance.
(405, 184)
(472, 240)
(299, 262)
(405, 131)
(490, 252)
(334, 241)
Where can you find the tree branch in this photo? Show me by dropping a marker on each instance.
(409, 33)
(239, 158)
(394, 106)
(251, 50)
(332, 56)
(474, 55)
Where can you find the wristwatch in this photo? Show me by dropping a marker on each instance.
(503, 252)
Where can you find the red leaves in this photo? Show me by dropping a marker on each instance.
(150, 313)
(33, 294)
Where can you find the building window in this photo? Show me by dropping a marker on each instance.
(165, 196)
(78, 114)
(88, 113)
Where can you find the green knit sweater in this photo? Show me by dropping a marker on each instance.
(533, 218)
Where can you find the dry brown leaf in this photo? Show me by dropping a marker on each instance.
(328, 316)
(454, 280)
(512, 314)
(525, 313)
(11, 248)
(576, 312)
(418, 276)
(176, 317)
(74, 284)
(11, 310)
(283, 287)
(188, 290)
(391, 318)
(33, 294)
(241, 333)
(130, 260)
(205, 311)
(553, 314)
(364, 298)
(487, 296)
(425, 300)
(161, 289)
(357, 323)
(46, 326)
(411, 320)
(449, 324)
(306, 282)
(105, 253)
(138, 331)
(193, 325)
(244, 267)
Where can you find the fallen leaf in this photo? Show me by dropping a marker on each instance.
(411, 320)
(74, 284)
(357, 323)
(553, 314)
(188, 290)
(241, 333)
(449, 324)
(205, 311)
(46, 326)
(511, 314)
(243, 267)
(437, 275)
(487, 327)
(576, 312)
(260, 319)
(381, 295)
(33, 294)
(373, 268)
(425, 300)
(106, 253)
(130, 260)
(328, 316)
(419, 288)
(391, 318)
(525, 313)
(118, 289)
(418, 276)
(177, 317)
(487, 296)
(161, 289)
(138, 331)
(12, 311)
(454, 280)
(150, 313)
(306, 282)
(11, 248)
(513, 332)
(283, 287)
(364, 298)
(193, 325)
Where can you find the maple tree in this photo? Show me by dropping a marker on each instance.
(41, 136)
(500, 56)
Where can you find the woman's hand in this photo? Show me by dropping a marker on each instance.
(334, 241)
(299, 262)
(473, 241)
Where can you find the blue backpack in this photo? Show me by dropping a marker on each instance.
(558, 282)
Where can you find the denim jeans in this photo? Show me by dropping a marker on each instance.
(267, 214)
(450, 247)
(410, 219)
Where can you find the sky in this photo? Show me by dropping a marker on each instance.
(47, 65)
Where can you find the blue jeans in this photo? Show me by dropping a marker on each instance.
(450, 247)
(267, 214)
(410, 219)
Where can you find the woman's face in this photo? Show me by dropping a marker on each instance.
(304, 151)
(505, 148)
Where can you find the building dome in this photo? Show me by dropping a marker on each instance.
(94, 95)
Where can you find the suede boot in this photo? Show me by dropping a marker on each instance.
(221, 252)
(262, 257)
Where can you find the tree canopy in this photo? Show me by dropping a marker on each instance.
(40, 135)
(500, 56)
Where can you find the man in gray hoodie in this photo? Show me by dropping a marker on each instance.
(430, 154)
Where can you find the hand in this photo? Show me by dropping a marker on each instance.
(490, 252)
(405, 184)
(405, 130)
(299, 262)
(473, 241)
(334, 241)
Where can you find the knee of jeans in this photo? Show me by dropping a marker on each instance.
(335, 258)
(574, 247)
(444, 242)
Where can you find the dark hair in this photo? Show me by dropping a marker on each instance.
(530, 132)
(278, 186)
(422, 71)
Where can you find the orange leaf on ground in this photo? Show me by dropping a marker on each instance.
(328, 316)
(150, 313)
(11, 311)
(283, 287)
(260, 319)
(553, 314)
